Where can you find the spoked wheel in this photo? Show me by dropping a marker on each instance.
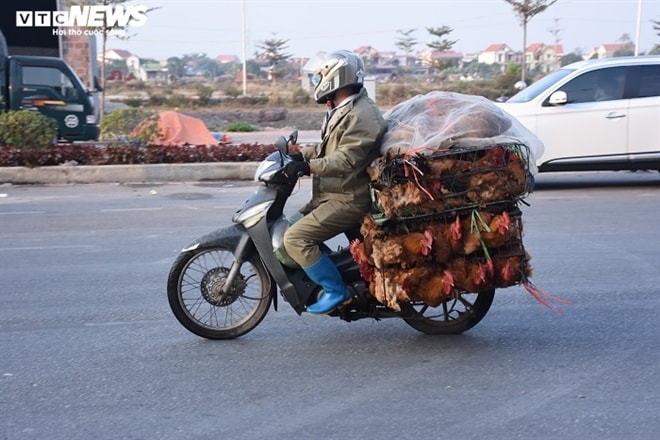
(453, 316)
(196, 297)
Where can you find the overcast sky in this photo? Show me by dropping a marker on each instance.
(216, 27)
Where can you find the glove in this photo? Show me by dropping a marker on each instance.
(298, 157)
(293, 170)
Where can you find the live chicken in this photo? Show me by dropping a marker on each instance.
(512, 270)
(472, 275)
(436, 288)
(395, 200)
(356, 249)
(407, 250)
(446, 230)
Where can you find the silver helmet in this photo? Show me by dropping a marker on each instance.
(333, 71)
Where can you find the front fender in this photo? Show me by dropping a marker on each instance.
(228, 237)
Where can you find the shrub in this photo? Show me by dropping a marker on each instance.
(134, 101)
(156, 100)
(26, 128)
(232, 92)
(179, 100)
(131, 154)
(239, 127)
(204, 95)
(300, 96)
(120, 124)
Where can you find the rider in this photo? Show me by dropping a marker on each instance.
(350, 140)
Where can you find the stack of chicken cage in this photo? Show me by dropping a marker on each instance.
(446, 218)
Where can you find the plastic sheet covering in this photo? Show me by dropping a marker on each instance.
(443, 120)
(179, 129)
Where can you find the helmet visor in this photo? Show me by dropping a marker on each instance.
(314, 67)
(316, 63)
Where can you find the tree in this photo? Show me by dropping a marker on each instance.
(176, 67)
(406, 43)
(440, 45)
(656, 27)
(200, 64)
(628, 48)
(207, 67)
(570, 58)
(526, 10)
(273, 51)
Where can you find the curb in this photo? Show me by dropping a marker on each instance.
(156, 173)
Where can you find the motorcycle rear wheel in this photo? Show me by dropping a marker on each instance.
(452, 317)
(194, 295)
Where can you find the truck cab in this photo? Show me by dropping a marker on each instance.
(48, 85)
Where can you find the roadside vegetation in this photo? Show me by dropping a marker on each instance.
(140, 102)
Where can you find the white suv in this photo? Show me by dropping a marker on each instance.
(595, 115)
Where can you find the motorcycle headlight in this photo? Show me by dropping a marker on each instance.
(265, 170)
(254, 214)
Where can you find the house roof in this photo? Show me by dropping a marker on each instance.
(366, 50)
(497, 47)
(558, 49)
(535, 47)
(613, 47)
(120, 52)
(223, 59)
(446, 54)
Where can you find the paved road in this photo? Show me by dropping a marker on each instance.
(89, 348)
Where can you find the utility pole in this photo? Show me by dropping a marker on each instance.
(555, 33)
(244, 55)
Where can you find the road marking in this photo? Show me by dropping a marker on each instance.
(113, 323)
(22, 212)
(47, 248)
(130, 209)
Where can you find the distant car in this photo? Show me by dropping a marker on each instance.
(595, 115)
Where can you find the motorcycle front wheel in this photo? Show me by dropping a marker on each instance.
(453, 316)
(194, 292)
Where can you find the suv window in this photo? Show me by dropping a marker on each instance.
(649, 81)
(598, 85)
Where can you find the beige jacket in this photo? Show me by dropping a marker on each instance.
(350, 141)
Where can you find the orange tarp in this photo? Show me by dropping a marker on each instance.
(178, 129)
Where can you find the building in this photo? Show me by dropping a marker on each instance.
(498, 53)
(227, 59)
(608, 50)
(116, 55)
(545, 57)
(146, 70)
(430, 58)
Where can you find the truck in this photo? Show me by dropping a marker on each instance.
(35, 76)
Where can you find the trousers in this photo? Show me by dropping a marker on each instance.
(328, 219)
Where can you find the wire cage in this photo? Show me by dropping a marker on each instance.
(443, 182)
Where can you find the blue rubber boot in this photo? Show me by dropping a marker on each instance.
(325, 274)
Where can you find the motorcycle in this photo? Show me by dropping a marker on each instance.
(222, 285)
